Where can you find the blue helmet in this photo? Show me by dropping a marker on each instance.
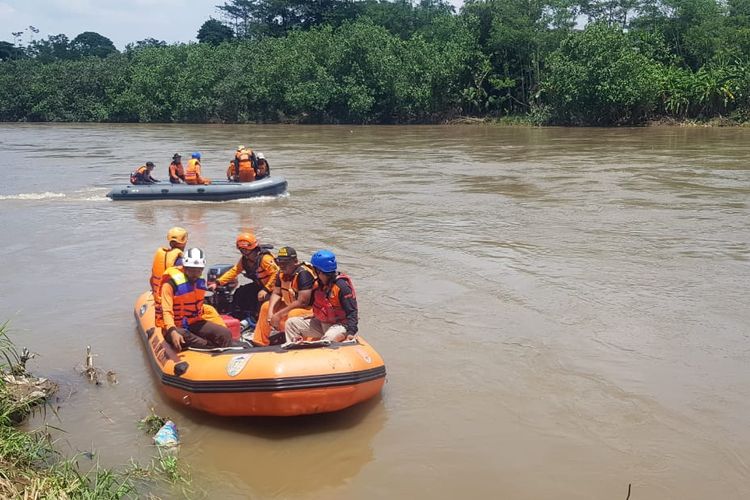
(324, 260)
(196, 155)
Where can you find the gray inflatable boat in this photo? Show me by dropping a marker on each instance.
(216, 191)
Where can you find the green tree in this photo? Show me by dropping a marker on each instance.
(144, 44)
(598, 77)
(214, 32)
(90, 43)
(55, 47)
(9, 51)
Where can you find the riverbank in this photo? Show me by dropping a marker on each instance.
(31, 467)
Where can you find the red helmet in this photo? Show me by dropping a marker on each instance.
(246, 241)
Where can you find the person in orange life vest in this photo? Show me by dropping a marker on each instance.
(335, 314)
(242, 167)
(188, 322)
(193, 171)
(292, 296)
(142, 174)
(264, 169)
(259, 265)
(164, 258)
(176, 171)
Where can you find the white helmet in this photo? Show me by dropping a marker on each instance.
(260, 155)
(194, 257)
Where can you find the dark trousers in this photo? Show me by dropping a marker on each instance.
(206, 335)
(245, 301)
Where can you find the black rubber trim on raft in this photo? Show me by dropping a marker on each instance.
(262, 385)
(275, 384)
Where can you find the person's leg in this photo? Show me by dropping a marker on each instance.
(211, 334)
(296, 328)
(334, 333)
(262, 327)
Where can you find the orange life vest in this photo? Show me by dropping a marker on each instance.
(260, 275)
(188, 297)
(164, 258)
(193, 172)
(326, 304)
(242, 166)
(290, 286)
(140, 175)
(176, 172)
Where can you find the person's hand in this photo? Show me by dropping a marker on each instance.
(212, 286)
(262, 296)
(275, 320)
(351, 336)
(178, 341)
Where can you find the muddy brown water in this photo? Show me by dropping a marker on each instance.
(562, 312)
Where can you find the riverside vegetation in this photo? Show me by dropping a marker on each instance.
(31, 468)
(571, 62)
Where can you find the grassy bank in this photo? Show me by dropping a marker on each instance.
(31, 468)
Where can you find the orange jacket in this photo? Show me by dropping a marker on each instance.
(241, 168)
(290, 284)
(193, 173)
(181, 301)
(176, 172)
(264, 273)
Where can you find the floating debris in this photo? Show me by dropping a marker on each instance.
(93, 373)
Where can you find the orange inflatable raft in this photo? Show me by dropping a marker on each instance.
(269, 380)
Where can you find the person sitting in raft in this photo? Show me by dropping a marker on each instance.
(142, 174)
(164, 258)
(335, 315)
(292, 296)
(263, 170)
(242, 167)
(193, 171)
(176, 171)
(259, 265)
(182, 294)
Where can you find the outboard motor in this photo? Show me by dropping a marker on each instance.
(221, 299)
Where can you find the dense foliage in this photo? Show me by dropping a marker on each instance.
(589, 62)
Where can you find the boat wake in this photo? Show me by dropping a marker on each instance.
(88, 194)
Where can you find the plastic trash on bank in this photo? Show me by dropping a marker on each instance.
(167, 435)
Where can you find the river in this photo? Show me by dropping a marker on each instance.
(563, 312)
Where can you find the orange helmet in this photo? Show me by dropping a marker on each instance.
(178, 235)
(246, 241)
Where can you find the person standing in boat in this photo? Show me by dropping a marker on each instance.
(176, 170)
(292, 296)
(259, 265)
(193, 171)
(335, 313)
(182, 294)
(242, 167)
(264, 169)
(142, 174)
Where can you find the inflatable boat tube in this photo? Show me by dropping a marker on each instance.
(216, 191)
(272, 380)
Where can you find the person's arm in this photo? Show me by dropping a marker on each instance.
(230, 275)
(269, 265)
(170, 331)
(349, 303)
